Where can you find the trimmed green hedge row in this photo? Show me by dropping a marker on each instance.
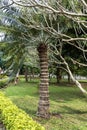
(14, 118)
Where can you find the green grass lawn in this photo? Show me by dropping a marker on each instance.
(68, 107)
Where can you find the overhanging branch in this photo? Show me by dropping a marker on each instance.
(4, 6)
(84, 3)
(74, 39)
(76, 62)
(36, 3)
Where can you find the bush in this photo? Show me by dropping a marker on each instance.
(14, 118)
(3, 81)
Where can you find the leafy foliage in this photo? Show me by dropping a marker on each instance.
(3, 80)
(14, 118)
(2, 83)
(67, 105)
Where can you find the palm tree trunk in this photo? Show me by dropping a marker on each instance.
(43, 106)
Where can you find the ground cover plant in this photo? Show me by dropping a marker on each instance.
(14, 118)
(68, 107)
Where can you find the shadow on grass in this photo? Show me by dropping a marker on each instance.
(64, 94)
(71, 114)
(70, 110)
(29, 111)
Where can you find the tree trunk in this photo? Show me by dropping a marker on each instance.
(32, 73)
(16, 78)
(26, 73)
(43, 106)
(58, 74)
(69, 79)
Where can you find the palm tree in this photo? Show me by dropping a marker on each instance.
(43, 107)
(19, 35)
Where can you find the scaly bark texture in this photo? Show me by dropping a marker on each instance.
(43, 106)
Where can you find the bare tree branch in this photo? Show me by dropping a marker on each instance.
(72, 77)
(62, 11)
(4, 6)
(78, 46)
(84, 3)
(74, 39)
(76, 62)
(67, 68)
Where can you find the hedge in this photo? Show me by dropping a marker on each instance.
(2, 84)
(14, 118)
(3, 81)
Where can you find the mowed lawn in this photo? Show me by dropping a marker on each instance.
(68, 107)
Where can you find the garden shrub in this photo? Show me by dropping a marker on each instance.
(3, 82)
(14, 118)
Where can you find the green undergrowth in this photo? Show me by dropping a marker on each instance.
(3, 82)
(68, 107)
(14, 118)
